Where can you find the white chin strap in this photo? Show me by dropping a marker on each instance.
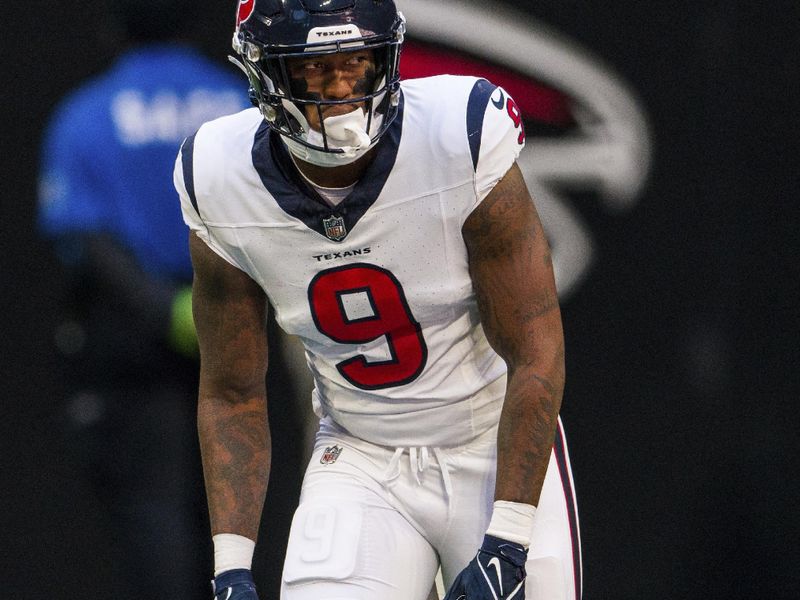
(346, 132)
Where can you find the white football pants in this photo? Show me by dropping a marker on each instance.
(376, 523)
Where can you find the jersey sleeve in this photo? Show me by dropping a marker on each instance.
(184, 181)
(496, 134)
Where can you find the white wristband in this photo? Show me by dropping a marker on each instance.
(232, 551)
(512, 521)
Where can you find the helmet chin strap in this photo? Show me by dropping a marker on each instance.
(346, 132)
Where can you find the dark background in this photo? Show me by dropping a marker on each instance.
(681, 343)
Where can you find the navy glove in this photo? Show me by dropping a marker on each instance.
(236, 584)
(496, 573)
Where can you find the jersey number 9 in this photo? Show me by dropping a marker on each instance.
(358, 304)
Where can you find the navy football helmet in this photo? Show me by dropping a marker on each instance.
(268, 32)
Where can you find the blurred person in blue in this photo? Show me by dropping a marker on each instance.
(108, 205)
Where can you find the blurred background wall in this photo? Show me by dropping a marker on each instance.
(681, 329)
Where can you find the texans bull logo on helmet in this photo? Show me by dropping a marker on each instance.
(245, 10)
(586, 130)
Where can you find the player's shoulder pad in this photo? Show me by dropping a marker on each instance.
(439, 95)
(494, 122)
(209, 155)
(495, 132)
(437, 108)
(469, 108)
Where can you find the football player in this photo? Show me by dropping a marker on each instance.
(388, 225)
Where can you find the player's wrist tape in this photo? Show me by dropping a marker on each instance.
(512, 521)
(232, 551)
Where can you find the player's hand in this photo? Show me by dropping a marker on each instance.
(236, 584)
(496, 572)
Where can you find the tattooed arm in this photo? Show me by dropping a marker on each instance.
(512, 273)
(230, 313)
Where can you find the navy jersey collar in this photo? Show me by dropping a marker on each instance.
(297, 198)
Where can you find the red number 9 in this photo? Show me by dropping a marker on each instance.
(516, 117)
(384, 312)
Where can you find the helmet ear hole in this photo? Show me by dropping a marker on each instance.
(252, 51)
(270, 113)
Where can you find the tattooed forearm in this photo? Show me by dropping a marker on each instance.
(230, 313)
(235, 443)
(526, 433)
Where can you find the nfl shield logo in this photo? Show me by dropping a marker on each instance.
(334, 228)
(330, 455)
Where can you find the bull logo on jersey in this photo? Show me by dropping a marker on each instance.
(586, 130)
(334, 228)
(330, 455)
(245, 10)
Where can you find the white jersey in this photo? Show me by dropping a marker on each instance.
(377, 287)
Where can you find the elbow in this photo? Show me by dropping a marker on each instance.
(543, 367)
(537, 386)
(231, 391)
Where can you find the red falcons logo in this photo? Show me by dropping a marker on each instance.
(586, 129)
(245, 10)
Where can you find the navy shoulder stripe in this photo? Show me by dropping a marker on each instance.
(187, 160)
(476, 109)
(296, 198)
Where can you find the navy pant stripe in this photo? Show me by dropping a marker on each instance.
(560, 448)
